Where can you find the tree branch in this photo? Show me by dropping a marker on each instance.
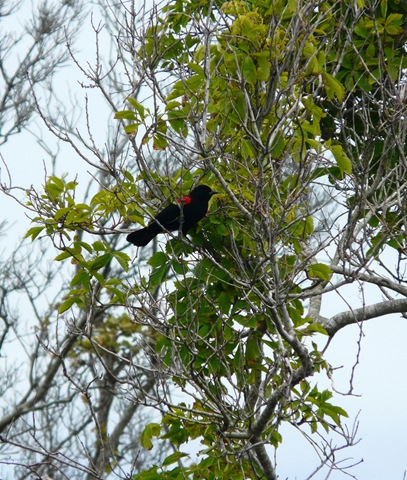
(337, 322)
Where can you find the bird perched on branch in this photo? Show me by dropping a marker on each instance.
(183, 215)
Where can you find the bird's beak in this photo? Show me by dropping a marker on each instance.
(213, 192)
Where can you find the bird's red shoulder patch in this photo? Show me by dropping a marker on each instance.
(185, 199)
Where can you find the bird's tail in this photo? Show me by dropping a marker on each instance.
(142, 237)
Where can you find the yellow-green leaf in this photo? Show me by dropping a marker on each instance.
(151, 430)
(342, 160)
(333, 87)
(319, 270)
(249, 70)
(67, 304)
(174, 457)
(125, 115)
(131, 129)
(34, 232)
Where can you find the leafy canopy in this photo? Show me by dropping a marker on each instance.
(285, 107)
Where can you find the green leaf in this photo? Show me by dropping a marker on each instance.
(123, 260)
(246, 149)
(158, 275)
(99, 246)
(150, 474)
(264, 66)
(67, 304)
(225, 301)
(63, 256)
(34, 232)
(309, 225)
(159, 142)
(383, 8)
(361, 31)
(221, 229)
(140, 109)
(151, 430)
(319, 270)
(179, 266)
(131, 129)
(128, 176)
(333, 87)
(81, 277)
(57, 181)
(100, 262)
(172, 105)
(196, 68)
(246, 321)
(80, 245)
(54, 187)
(393, 30)
(343, 162)
(78, 213)
(249, 70)
(177, 120)
(174, 457)
(71, 185)
(61, 212)
(316, 327)
(278, 145)
(252, 350)
(275, 438)
(125, 115)
(158, 259)
(195, 82)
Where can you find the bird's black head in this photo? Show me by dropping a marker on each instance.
(202, 192)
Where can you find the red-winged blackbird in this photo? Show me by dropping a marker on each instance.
(189, 210)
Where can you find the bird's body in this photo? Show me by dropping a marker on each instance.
(189, 211)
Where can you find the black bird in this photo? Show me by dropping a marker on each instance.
(189, 210)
